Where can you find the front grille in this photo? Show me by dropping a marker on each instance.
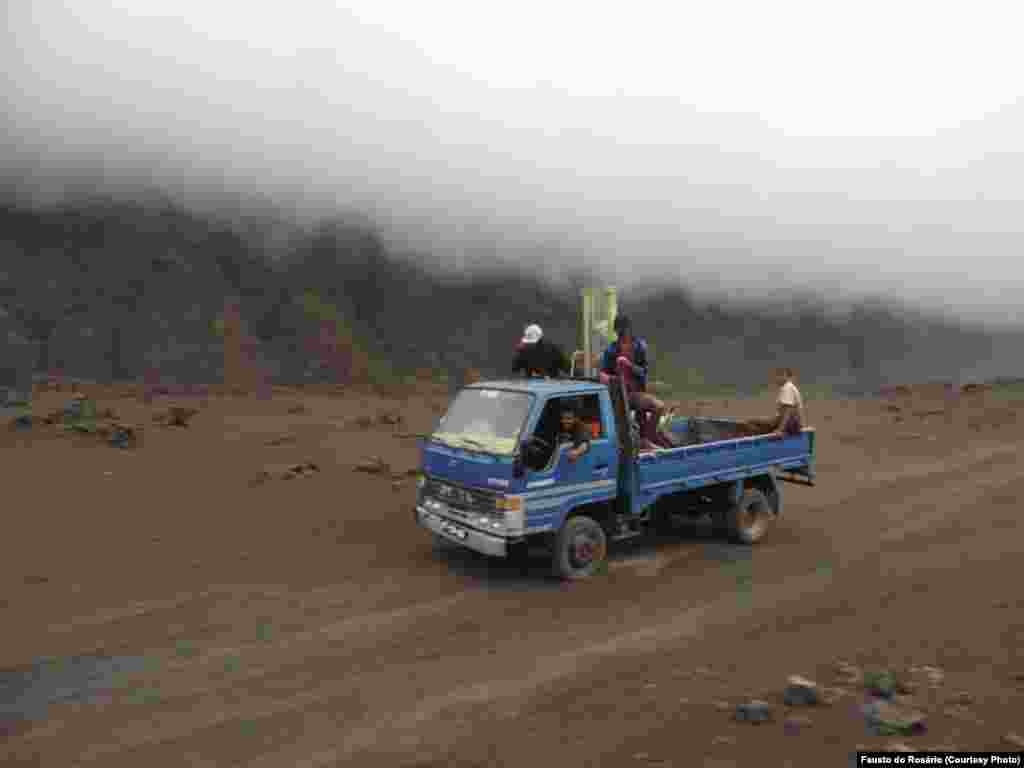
(459, 499)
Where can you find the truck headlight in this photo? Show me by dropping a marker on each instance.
(514, 513)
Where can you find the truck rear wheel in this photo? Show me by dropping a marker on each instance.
(747, 520)
(580, 548)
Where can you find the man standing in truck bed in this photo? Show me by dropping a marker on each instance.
(627, 357)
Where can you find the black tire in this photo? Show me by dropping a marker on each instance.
(748, 520)
(519, 556)
(580, 549)
(443, 546)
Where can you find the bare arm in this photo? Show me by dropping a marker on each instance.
(581, 444)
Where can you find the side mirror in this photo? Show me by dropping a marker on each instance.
(531, 457)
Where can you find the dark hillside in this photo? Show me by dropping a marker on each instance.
(106, 290)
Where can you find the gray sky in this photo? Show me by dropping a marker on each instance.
(745, 148)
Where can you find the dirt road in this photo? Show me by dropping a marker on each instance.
(308, 622)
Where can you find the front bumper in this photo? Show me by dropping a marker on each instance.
(484, 543)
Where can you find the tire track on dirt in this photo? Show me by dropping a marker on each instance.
(984, 466)
(401, 732)
(988, 468)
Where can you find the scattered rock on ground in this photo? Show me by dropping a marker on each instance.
(960, 712)
(286, 472)
(801, 692)
(1014, 740)
(849, 673)
(54, 417)
(796, 723)
(905, 686)
(933, 675)
(175, 416)
(881, 684)
(755, 711)
(281, 440)
(830, 696)
(389, 418)
(373, 465)
(897, 746)
(297, 409)
(24, 421)
(122, 435)
(886, 719)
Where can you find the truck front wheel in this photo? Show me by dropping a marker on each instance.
(580, 548)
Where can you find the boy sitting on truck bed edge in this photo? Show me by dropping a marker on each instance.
(789, 419)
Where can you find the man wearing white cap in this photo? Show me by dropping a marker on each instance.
(537, 356)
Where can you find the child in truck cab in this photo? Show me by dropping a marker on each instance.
(572, 430)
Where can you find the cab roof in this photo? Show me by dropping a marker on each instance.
(543, 387)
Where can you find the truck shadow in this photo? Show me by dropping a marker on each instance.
(650, 552)
(500, 574)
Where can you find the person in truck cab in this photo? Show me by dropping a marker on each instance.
(536, 356)
(626, 357)
(572, 430)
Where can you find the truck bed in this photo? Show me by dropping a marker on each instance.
(710, 454)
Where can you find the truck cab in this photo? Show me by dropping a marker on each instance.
(494, 478)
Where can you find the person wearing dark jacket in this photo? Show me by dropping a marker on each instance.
(536, 356)
(626, 357)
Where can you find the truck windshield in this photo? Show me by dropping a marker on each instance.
(487, 420)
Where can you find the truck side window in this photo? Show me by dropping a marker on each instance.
(586, 407)
(589, 411)
(547, 430)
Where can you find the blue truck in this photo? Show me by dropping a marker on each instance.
(494, 480)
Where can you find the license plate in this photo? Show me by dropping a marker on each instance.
(454, 530)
